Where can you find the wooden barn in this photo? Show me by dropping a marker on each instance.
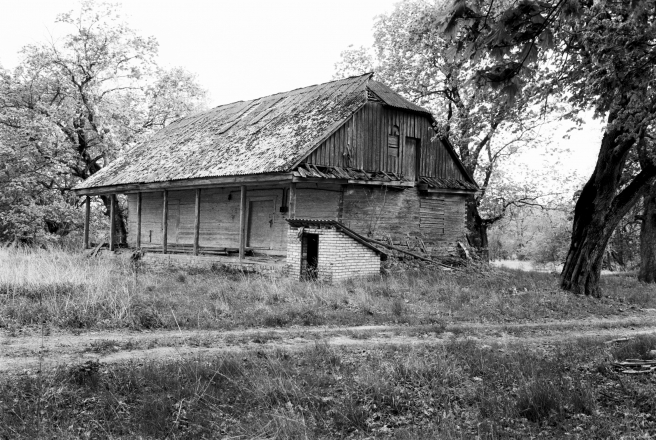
(304, 179)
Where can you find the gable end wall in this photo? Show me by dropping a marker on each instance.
(362, 143)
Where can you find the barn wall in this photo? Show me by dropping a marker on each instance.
(406, 216)
(362, 143)
(219, 218)
(318, 202)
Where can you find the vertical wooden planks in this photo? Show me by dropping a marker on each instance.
(87, 218)
(165, 220)
(139, 207)
(197, 222)
(375, 165)
(112, 224)
(242, 222)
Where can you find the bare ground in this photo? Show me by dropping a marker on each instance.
(35, 352)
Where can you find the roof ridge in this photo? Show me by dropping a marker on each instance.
(370, 74)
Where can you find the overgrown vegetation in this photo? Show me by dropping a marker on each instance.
(459, 390)
(71, 291)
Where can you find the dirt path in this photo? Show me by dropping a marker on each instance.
(29, 353)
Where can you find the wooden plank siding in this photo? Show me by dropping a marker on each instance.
(405, 216)
(219, 218)
(362, 143)
(402, 215)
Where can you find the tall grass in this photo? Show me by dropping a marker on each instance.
(460, 390)
(70, 290)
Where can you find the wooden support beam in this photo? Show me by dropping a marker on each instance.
(242, 223)
(292, 200)
(264, 180)
(112, 225)
(197, 223)
(165, 219)
(139, 220)
(87, 218)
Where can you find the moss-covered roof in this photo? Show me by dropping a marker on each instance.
(264, 135)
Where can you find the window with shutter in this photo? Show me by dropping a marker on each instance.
(393, 142)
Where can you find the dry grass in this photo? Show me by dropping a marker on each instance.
(69, 290)
(460, 390)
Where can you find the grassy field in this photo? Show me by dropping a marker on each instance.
(72, 292)
(454, 391)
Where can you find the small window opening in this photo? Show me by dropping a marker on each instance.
(310, 256)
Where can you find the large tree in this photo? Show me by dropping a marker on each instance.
(74, 103)
(599, 55)
(412, 56)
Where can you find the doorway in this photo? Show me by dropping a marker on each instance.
(260, 223)
(310, 256)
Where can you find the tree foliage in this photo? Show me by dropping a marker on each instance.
(599, 55)
(71, 106)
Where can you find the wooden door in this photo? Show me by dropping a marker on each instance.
(411, 158)
(260, 224)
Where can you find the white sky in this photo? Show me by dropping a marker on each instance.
(245, 49)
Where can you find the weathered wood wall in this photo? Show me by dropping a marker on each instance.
(362, 143)
(406, 216)
(402, 215)
(219, 218)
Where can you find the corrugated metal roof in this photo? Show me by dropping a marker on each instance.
(263, 135)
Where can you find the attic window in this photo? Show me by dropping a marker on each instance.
(393, 142)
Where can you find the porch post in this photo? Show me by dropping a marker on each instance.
(242, 223)
(87, 217)
(197, 223)
(139, 220)
(112, 225)
(292, 200)
(165, 219)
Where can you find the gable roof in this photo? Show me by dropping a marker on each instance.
(265, 135)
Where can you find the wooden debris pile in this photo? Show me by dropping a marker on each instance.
(635, 366)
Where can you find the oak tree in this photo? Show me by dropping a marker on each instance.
(90, 94)
(599, 55)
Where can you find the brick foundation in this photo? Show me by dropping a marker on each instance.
(340, 256)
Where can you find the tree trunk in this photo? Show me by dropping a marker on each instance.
(598, 211)
(477, 230)
(120, 227)
(647, 272)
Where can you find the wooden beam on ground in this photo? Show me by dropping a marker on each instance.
(242, 223)
(292, 200)
(197, 223)
(139, 220)
(165, 219)
(112, 223)
(87, 218)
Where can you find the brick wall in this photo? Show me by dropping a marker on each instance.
(340, 256)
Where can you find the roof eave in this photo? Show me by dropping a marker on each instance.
(205, 182)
